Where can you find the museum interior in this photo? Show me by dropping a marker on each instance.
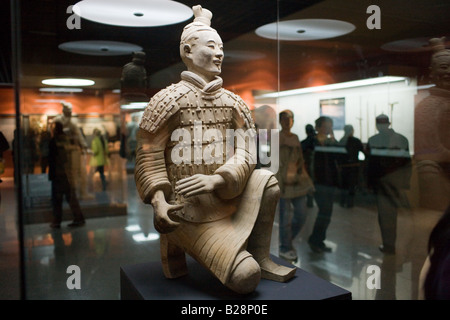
(95, 65)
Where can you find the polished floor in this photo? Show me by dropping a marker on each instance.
(105, 244)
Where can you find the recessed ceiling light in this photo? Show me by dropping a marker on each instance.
(133, 13)
(100, 47)
(68, 82)
(305, 29)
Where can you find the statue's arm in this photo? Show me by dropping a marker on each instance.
(151, 177)
(150, 169)
(238, 167)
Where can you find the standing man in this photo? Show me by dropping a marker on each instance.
(325, 178)
(308, 149)
(349, 166)
(389, 174)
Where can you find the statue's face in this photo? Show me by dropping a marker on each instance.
(440, 71)
(207, 54)
(67, 112)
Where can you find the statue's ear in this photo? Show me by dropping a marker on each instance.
(187, 49)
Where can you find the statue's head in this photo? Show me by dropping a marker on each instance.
(67, 109)
(201, 47)
(139, 57)
(440, 63)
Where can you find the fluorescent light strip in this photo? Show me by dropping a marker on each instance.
(69, 82)
(134, 105)
(61, 90)
(334, 86)
(48, 101)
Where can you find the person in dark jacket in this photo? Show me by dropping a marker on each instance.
(308, 148)
(60, 174)
(350, 166)
(389, 174)
(325, 177)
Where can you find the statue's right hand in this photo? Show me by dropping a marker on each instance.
(162, 211)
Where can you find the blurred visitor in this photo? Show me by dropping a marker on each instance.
(308, 148)
(325, 178)
(100, 154)
(44, 141)
(349, 166)
(294, 183)
(389, 174)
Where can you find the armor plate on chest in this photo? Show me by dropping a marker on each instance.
(203, 118)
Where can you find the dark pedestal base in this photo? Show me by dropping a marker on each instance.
(146, 281)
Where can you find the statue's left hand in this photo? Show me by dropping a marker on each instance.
(198, 184)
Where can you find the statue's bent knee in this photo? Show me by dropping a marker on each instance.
(246, 274)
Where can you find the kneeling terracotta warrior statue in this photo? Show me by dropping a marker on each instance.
(220, 212)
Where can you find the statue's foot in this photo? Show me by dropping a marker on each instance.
(275, 272)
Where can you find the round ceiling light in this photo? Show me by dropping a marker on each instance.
(133, 13)
(100, 47)
(68, 82)
(305, 29)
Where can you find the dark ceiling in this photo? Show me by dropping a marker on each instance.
(43, 28)
(356, 55)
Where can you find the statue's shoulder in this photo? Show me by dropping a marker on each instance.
(162, 106)
(240, 107)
